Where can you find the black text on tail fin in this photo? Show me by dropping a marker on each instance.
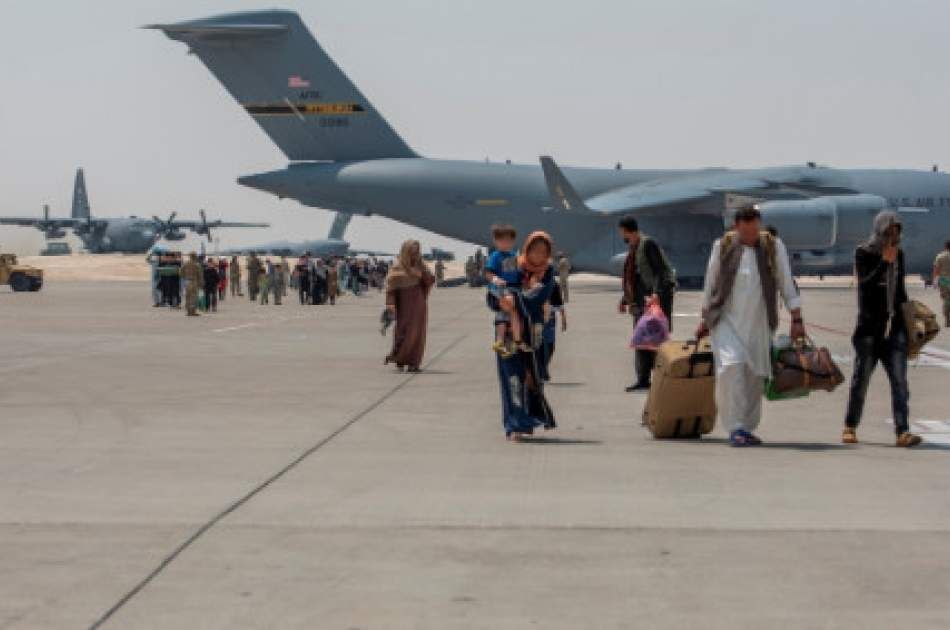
(80, 198)
(277, 71)
(340, 223)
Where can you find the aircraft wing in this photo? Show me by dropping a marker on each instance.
(41, 223)
(196, 225)
(369, 252)
(659, 196)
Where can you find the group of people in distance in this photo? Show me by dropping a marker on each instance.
(195, 277)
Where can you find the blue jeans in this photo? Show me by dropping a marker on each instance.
(892, 353)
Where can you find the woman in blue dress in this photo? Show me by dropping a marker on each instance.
(523, 405)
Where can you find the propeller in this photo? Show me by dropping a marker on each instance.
(205, 228)
(165, 227)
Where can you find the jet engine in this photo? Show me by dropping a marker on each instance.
(174, 235)
(815, 224)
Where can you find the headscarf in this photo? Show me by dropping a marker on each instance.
(408, 269)
(533, 238)
(882, 223)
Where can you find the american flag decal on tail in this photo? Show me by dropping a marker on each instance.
(297, 81)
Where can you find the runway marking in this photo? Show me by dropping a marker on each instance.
(235, 505)
(931, 431)
(254, 324)
(230, 328)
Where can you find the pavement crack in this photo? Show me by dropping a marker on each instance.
(241, 501)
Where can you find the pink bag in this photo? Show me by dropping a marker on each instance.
(652, 329)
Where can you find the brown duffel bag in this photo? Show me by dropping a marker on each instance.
(922, 326)
(803, 367)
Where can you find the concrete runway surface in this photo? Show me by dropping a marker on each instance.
(260, 468)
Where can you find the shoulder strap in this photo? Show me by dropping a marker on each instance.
(768, 242)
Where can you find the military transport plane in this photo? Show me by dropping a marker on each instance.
(345, 156)
(330, 247)
(128, 235)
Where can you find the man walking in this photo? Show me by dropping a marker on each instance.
(211, 281)
(747, 270)
(284, 275)
(193, 276)
(646, 272)
(235, 270)
(276, 279)
(302, 273)
(880, 334)
(941, 280)
(254, 272)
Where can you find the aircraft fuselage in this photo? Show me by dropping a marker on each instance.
(463, 199)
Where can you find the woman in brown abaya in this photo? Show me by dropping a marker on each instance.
(407, 291)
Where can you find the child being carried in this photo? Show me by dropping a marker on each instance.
(504, 276)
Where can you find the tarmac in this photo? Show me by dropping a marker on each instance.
(261, 468)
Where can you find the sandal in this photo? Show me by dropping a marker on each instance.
(907, 439)
(741, 438)
(849, 436)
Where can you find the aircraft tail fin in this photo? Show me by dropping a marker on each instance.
(80, 198)
(340, 223)
(563, 194)
(272, 65)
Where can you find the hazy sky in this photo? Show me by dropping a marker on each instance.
(651, 84)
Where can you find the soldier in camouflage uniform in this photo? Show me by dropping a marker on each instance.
(235, 270)
(193, 275)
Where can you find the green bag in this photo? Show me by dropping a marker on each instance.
(770, 392)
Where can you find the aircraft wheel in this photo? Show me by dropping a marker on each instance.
(19, 282)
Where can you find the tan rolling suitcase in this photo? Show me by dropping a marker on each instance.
(682, 398)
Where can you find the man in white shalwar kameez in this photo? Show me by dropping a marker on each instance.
(740, 311)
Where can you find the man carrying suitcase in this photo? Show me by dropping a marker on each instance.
(646, 272)
(747, 270)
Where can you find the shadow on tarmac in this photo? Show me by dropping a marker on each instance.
(561, 441)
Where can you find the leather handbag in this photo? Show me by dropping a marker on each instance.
(803, 367)
(922, 326)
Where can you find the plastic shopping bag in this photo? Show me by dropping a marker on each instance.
(652, 329)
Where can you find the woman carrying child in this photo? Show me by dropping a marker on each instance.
(523, 404)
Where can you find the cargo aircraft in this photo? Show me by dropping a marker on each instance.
(127, 235)
(344, 156)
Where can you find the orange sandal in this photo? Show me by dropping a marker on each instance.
(907, 439)
(849, 436)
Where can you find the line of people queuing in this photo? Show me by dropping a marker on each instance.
(320, 280)
(316, 280)
(174, 277)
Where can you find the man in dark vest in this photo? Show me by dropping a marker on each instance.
(646, 273)
(747, 270)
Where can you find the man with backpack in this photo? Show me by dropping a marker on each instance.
(646, 272)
